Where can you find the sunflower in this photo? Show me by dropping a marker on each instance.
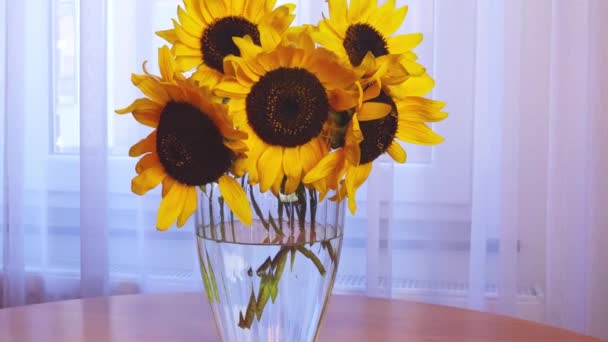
(193, 144)
(283, 99)
(406, 121)
(363, 28)
(202, 36)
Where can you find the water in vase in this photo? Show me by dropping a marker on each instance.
(268, 282)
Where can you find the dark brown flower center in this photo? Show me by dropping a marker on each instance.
(189, 145)
(287, 107)
(361, 39)
(378, 134)
(217, 43)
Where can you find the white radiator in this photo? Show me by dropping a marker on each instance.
(530, 301)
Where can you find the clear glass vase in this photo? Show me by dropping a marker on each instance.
(271, 281)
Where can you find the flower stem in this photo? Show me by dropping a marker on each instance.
(211, 220)
(220, 200)
(313, 209)
(257, 209)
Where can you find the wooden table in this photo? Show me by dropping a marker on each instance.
(186, 317)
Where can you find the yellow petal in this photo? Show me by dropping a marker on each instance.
(231, 89)
(171, 206)
(247, 47)
(253, 157)
(167, 184)
(193, 9)
(340, 195)
(154, 91)
(325, 65)
(240, 167)
(276, 186)
(419, 109)
(337, 11)
(201, 8)
(236, 199)
(243, 74)
(191, 24)
(270, 165)
(182, 50)
(168, 35)
(417, 133)
(167, 64)
(341, 99)
(359, 10)
(372, 90)
(190, 202)
(404, 42)
(141, 104)
(148, 144)
(355, 177)
(395, 21)
(274, 24)
(352, 142)
(414, 86)
(147, 180)
(321, 187)
(149, 118)
(373, 111)
(325, 167)
(380, 17)
(253, 10)
(187, 63)
(175, 92)
(413, 68)
(310, 155)
(207, 77)
(185, 37)
(236, 7)
(216, 8)
(237, 146)
(397, 152)
(328, 38)
(292, 168)
(147, 161)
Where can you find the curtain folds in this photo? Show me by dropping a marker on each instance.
(508, 215)
(550, 157)
(93, 149)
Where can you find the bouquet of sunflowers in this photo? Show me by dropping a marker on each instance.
(244, 100)
(242, 94)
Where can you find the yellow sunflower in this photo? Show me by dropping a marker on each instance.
(282, 99)
(406, 121)
(354, 31)
(193, 144)
(202, 36)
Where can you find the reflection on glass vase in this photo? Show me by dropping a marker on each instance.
(270, 281)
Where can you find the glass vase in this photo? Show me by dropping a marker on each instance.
(271, 281)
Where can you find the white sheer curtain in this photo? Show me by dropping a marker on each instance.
(508, 215)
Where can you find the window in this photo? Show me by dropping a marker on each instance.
(65, 72)
(417, 214)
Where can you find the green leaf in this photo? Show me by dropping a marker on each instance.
(247, 321)
(274, 289)
(263, 296)
(311, 255)
(212, 279)
(262, 270)
(279, 266)
(293, 258)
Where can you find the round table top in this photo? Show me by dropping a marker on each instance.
(187, 317)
